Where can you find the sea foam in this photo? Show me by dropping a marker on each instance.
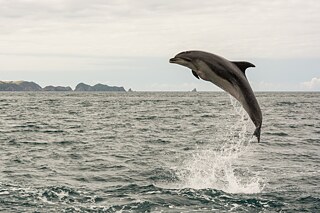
(217, 168)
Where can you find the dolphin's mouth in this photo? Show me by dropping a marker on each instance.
(173, 60)
(176, 59)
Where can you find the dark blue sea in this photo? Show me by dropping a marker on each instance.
(158, 152)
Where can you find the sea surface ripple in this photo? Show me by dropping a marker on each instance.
(157, 152)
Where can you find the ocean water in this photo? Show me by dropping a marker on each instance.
(158, 152)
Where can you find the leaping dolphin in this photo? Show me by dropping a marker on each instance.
(228, 75)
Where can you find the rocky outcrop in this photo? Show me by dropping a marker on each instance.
(98, 88)
(19, 86)
(57, 88)
(83, 87)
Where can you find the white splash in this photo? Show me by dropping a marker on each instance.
(217, 169)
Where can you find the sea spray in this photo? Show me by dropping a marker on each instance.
(217, 169)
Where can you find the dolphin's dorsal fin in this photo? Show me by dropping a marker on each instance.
(243, 65)
(195, 74)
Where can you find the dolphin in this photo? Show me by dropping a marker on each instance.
(228, 75)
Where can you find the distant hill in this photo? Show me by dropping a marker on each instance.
(98, 88)
(83, 87)
(56, 88)
(19, 86)
(31, 86)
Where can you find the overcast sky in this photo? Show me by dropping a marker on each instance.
(129, 42)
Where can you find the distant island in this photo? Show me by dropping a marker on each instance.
(31, 86)
(19, 86)
(56, 88)
(98, 88)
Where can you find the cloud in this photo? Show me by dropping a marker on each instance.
(313, 84)
(69, 36)
(244, 28)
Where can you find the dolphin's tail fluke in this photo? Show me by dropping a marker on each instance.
(257, 132)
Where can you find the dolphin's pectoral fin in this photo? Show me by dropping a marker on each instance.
(243, 65)
(257, 133)
(195, 74)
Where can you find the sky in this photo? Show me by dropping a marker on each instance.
(129, 42)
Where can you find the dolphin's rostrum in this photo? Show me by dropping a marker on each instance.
(228, 75)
